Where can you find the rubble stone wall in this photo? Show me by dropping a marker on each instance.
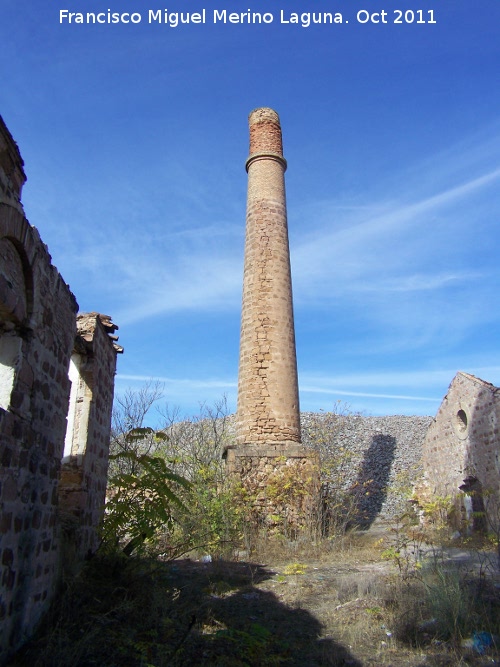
(38, 314)
(82, 489)
(279, 483)
(38, 336)
(462, 447)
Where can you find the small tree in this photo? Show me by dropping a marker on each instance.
(128, 430)
(144, 492)
(141, 503)
(197, 446)
(157, 473)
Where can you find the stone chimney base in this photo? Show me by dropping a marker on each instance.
(278, 484)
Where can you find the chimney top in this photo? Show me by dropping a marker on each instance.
(265, 135)
(263, 114)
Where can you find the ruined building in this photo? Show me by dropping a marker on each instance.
(461, 452)
(56, 391)
(268, 417)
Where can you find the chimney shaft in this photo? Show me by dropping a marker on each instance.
(268, 400)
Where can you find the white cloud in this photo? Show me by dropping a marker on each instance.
(390, 383)
(420, 282)
(405, 261)
(183, 393)
(415, 267)
(362, 394)
(188, 383)
(363, 246)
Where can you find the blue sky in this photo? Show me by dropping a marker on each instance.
(135, 138)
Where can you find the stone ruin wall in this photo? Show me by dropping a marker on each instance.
(462, 445)
(279, 483)
(38, 333)
(84, 472)
(32, 429)
(12, 176)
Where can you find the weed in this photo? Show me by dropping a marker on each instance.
(295, 568)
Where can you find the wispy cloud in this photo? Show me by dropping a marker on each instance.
(362, 394)
(404, 265)
(386, 392)
(400, 257)
(378, 392)
(421, 282)
(388, 384)
(178, 393)
(363, 243)
(188, 383)
(408, 379)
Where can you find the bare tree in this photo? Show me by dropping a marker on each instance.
(128, 430)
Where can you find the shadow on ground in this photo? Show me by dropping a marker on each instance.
(249, 626)
(178, 614)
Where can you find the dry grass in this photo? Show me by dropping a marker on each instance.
(302, 604)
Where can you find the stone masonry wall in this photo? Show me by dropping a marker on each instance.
(279, 484)
(462, 447)
(12, 176)
(38, 334)
(40, 325)
(82, 488)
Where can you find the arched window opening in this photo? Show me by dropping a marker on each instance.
(10, 358)
(78, 411)
(475, 512)
(15, 275)
(462, 421)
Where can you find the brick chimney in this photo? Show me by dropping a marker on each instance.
(279, 478)
(268, 398)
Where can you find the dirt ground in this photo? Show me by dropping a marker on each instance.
(333, 607)
(340, 609)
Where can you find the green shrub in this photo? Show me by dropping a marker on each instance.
(214, 522)
(141, 503)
